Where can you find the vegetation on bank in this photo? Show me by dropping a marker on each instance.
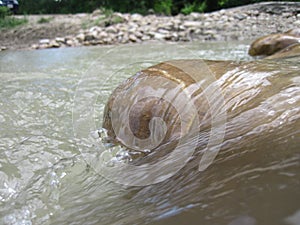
(8, 21)
(44, 20)
(107, 18)
(167, 7)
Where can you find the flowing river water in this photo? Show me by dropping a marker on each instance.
(44, 178)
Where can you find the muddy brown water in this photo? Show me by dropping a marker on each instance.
(44, 175)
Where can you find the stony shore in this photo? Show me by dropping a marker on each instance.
(241, 23)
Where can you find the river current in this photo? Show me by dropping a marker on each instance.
(45, 179)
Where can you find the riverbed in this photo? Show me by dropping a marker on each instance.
(44, 178)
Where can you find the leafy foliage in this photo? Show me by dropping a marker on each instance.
(163, 7)
(4, 12)
(106, 18)
(8, 21)
(44, 20)
(194, 7)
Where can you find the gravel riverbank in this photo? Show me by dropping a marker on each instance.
(241, 23)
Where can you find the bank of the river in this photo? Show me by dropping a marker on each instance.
(241, 23)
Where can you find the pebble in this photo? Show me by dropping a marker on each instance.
(60, 40)
(54, 44)
(112, 29)
(44, 41)
(297, 23)
(133, 38)
(80, 37)
(192, 23)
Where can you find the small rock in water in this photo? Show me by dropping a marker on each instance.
(60, 40)
(91, 36)
(54, 44)
(159, 36)
(146, 150)
(123, 156)
(132, 38)
(70, 42)
(80, 37)
(145, 38)
(102, 133)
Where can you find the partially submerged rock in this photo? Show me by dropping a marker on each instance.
(290, 51)
(273, 43)
(192, 96)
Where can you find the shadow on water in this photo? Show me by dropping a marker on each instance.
(44, 178)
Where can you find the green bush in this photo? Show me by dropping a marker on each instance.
(106, 18)
(44, 20)
(188, 8)
(8, 21)
(194, 7)
(163, 7)
(4, 12)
